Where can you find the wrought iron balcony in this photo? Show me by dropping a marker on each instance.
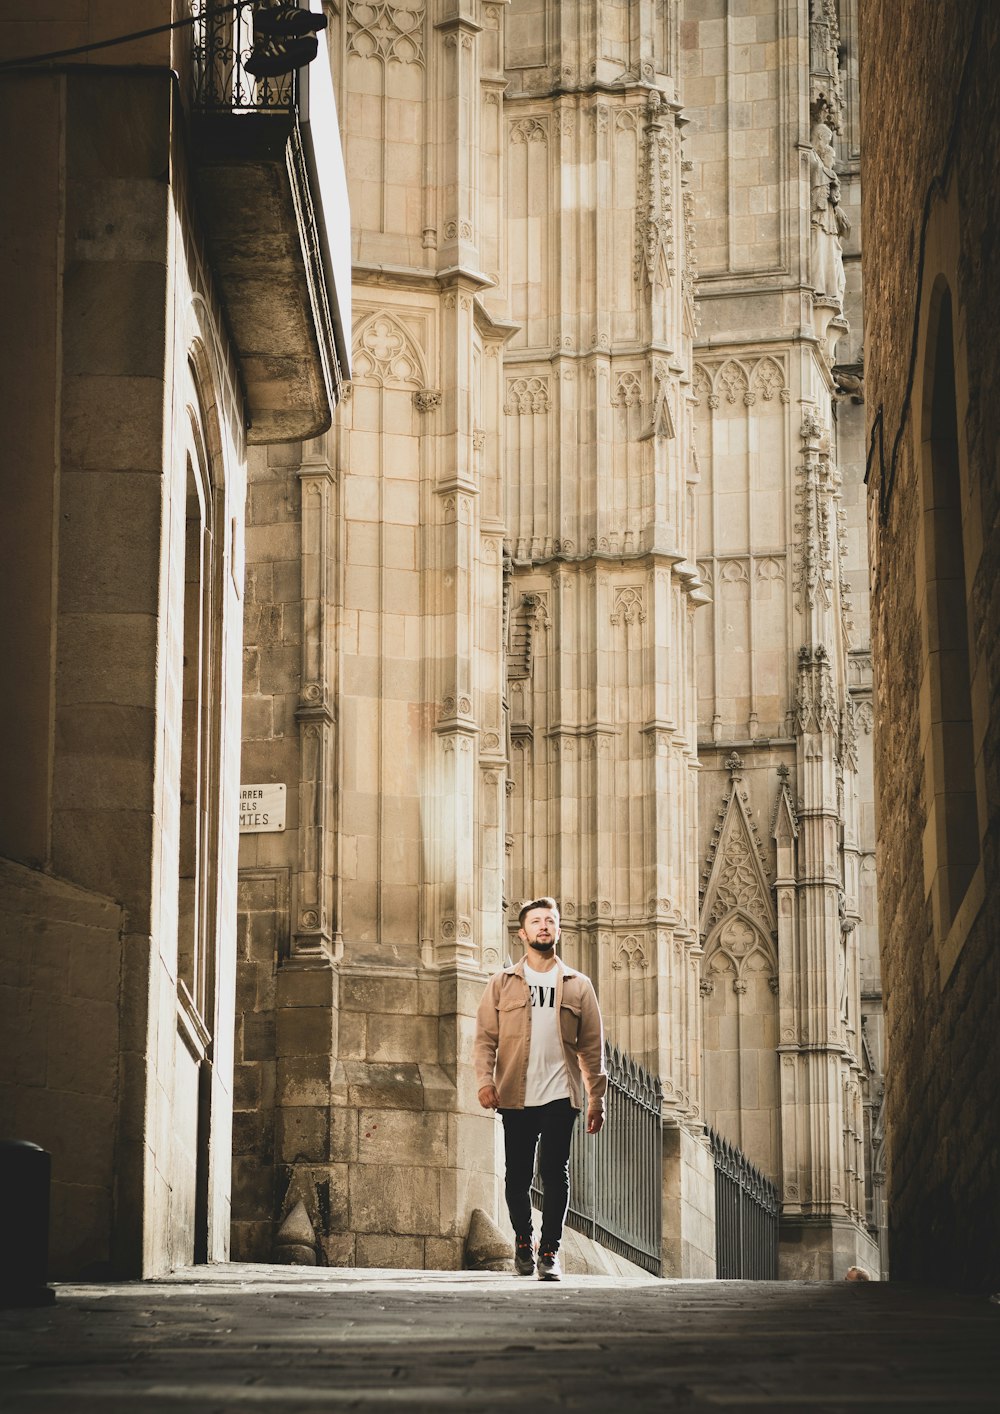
(273, 202)
(223, 42)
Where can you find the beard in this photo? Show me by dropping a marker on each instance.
(539, 946)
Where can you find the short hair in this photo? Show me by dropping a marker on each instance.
(544, 902)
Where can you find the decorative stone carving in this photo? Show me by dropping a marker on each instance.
(767, 378)
(825, 85)
(532, 613)
(426, 400)
(784, 821)
(385, 353)
(663, 422)
(740, 381)
(392, 33)
(527, 395)
(739, 884)
(628, 606)
(850, 381)
(628, 389)
(735, 875)
(630, 952)
(654, 240)
(452, 706)
(565, 122)
(828, 222)
(733, 383)
(815, 700)
(701, 385)
(817, 491)
(741, 950)
(849, 734)
(524, 130)
(770, 570)
(689, 272)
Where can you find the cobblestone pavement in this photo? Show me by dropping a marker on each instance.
(281, 1340)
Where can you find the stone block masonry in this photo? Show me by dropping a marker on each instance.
(931, 213)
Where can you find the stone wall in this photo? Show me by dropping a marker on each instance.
(478, 610)
(127, 480)
(931, 214)
(61, 951)
(353, 1090)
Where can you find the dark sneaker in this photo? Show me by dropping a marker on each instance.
(548, 1267)
(524, 1258)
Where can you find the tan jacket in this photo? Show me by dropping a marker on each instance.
(503, 1036)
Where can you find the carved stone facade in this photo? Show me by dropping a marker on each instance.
(599, 515)
(792, 1033)
(561, 556)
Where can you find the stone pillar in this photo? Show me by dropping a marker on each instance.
(316, 932)
(688, 1247)
(396, 844)
(603, 582)
(777, 469)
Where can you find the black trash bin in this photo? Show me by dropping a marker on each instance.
(25, 1172)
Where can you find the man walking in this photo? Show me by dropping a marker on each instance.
(539, 1045)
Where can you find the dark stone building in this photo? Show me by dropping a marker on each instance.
(931, 210)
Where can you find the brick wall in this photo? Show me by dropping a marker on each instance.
(931, 107)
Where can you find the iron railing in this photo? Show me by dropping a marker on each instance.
(616, 1177)
(746, 1216)
(223, 42)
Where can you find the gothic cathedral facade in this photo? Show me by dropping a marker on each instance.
(572, 599)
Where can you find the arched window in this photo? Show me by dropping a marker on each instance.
(740, 1017)
(952, 841)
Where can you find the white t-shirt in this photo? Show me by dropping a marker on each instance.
(547, 1078)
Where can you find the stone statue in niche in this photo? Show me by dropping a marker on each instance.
(828, 223)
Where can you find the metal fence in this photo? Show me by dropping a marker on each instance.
(616, 1176)
(223, 42)
(746, 1216)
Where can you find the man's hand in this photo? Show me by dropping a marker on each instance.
(595, 1120)
(488, 1097)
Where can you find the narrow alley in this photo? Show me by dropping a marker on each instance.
(211, 1340)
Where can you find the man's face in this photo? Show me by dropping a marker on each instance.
(540, 929)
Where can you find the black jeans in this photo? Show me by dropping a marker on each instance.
(522, 1129)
